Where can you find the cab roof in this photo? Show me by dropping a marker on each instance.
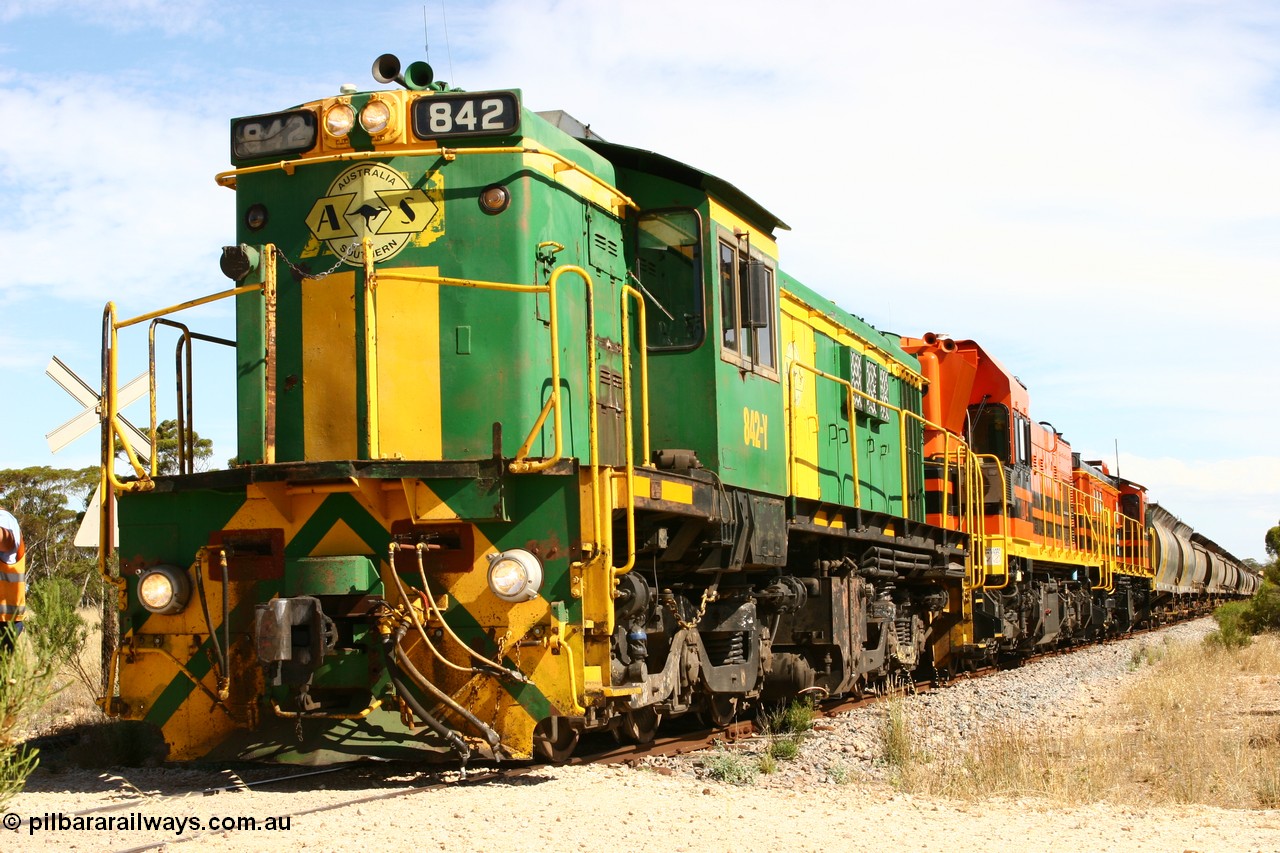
(652, 163)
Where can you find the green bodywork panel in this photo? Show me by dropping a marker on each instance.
(355, 575)
(698, 400)
(480, 330)
(878, 433)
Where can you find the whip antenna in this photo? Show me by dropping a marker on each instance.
(426, 44)
(448, 49)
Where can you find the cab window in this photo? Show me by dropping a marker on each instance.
(989, 430)
(669, 270)
(1022, 440)
(746, 306)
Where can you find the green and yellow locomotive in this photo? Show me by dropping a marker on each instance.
(536, 438)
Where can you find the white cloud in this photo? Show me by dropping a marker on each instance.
(1089, 190)
(1024, 148)
(1246, 478)
(171, 18)
(115, 196)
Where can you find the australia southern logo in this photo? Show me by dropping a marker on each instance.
(375, 201)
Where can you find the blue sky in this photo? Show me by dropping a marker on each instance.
(1089, 189)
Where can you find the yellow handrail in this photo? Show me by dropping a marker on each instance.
(1004, 524)
(972, 512)
(228, 178)
(1077, 528)
(628, 291)
(853, 445)
(521, 464)
(372, 431)
(192, 303)
(113, 430)
(851, 392)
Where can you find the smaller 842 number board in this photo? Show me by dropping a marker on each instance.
(483, 114)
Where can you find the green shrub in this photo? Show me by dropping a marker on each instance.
(839, 773)
(725, 766)
(1233, 626)
(794, 718)
(784, 748)
(899, 750)
(1262, 612)
(25, 685)
(58, 632)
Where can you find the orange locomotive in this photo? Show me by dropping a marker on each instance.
(1065, 551)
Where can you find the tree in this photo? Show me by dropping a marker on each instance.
(167, 447)
(1238, 620)
(49, 504)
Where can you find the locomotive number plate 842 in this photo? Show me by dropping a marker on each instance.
(483, 114)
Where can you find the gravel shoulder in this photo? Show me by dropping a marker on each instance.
(834, 796)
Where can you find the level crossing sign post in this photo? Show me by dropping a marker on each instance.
(90, 417)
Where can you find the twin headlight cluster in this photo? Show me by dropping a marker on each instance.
(514, 576)
(374, 117)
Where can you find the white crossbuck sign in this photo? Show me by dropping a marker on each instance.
(87, 535)
(92, 414)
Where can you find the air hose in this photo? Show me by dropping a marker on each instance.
(397, 680)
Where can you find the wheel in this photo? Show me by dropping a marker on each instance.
(555, 740)
(720, 710)
(641, 724)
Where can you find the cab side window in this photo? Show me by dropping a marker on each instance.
(729, 298)
(1022, 440)
(746, 307)
(989, 430)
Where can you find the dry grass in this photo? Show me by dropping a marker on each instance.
(1198, 724)
(75, 703)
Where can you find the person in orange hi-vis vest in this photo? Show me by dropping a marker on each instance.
(13, 581)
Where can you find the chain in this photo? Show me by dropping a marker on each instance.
(297, 724)
(344, 256)
(709, 595)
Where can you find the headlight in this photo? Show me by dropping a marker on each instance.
(339, 119)
(375, 116)
(164, 589)
(515, 575)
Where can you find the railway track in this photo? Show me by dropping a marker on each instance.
(217, 792)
